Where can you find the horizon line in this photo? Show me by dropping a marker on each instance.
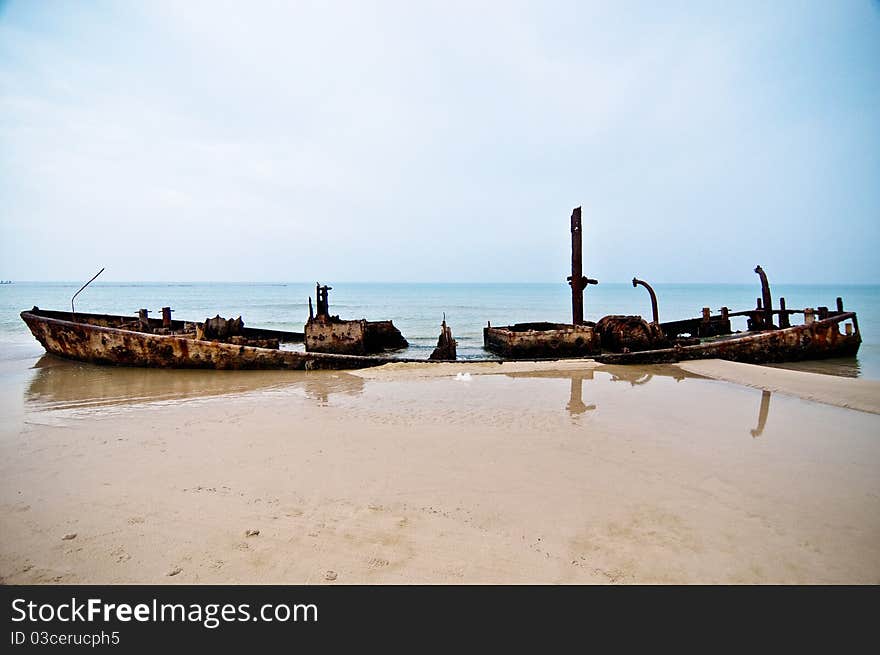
(423, 282)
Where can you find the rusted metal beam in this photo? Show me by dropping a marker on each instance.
(577, 280)
(577, 269)
(784, 321)
(72, 310)
(166, 317)
(322, 294)
(654, 312)
(765, 294)
(751, 312)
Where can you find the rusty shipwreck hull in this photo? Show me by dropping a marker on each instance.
(93, 338)
(96, 338)
(541, 340)
(817, 340)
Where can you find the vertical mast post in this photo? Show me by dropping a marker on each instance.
(577, 269)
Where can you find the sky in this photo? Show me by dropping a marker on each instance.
(439, 141)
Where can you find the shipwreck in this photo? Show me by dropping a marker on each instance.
(117, 340)
(628, 339)
(770, 336)
(330, 334)
(330, 342)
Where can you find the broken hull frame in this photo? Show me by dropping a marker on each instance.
(101, 342)
(542, 340)
(820, 339)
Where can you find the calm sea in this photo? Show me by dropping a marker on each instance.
(417, 309)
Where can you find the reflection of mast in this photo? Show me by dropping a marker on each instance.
(635, 377)
(762, 413)
(576, 403)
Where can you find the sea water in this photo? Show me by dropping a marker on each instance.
(417, 309)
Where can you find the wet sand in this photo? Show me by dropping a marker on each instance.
(847, 392)
(559, 473)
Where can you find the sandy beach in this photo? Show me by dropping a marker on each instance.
(518, 473)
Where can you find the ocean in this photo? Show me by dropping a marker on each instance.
(417, 309)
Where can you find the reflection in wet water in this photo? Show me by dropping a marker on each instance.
(62, 384)
(644, 374)
(576, 403)
(763, 412)
(59, 384)
(321, 385)
(635, 376)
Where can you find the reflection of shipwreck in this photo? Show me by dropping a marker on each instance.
(331, 334)
(635, 376)
(61, 384)
(763, 412)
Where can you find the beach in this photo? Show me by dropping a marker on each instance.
(552, 472)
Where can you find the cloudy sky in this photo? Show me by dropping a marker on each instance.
(439, 141)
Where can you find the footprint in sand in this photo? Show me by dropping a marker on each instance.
(120, 555)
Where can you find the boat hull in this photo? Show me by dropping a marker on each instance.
(101, 344)
(541, 340)
(818, 340)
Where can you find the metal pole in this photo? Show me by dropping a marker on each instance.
(765, 294)
(72, 310)
(654, 311)
(784, 321)
(577, 269)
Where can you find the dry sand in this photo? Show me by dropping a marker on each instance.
(569, 473)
